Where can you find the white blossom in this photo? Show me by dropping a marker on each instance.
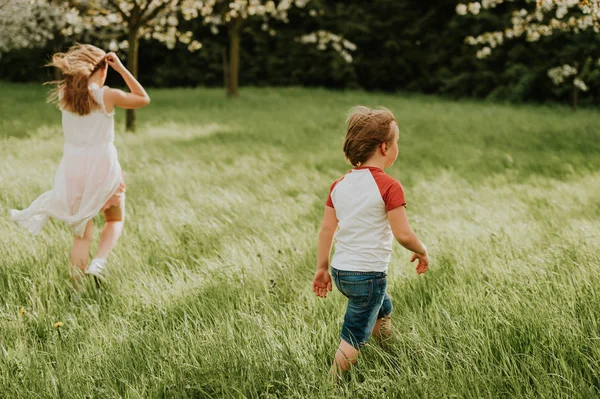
(580, 84)
(474, 8)
(540, 20)
(194, 46)
(219, 12)
(484, 52)
(533, 36)
(461, 9)
(349, 45)
(324, 39)
(561, 11)
(108, 21)
(471, 40)
(113, 45)
(560, 74)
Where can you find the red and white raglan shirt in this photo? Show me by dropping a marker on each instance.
(361, 199)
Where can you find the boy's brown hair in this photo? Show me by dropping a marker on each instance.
(367, 129)
(76, 65)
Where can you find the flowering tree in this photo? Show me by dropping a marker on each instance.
(542, 19)
(29, 23)
(231, 14)
(119, 24)
(122, 23)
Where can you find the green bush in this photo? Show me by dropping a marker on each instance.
(402, 45)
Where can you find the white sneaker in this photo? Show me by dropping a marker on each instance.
(97, 268)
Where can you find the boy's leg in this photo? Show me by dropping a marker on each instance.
(365, 298)
(383, 326)
(345, 358)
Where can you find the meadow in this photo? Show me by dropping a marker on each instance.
(210, 292)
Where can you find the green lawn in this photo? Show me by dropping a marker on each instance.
(210, 289)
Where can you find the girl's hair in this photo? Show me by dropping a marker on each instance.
(367, 130)
(77, 65)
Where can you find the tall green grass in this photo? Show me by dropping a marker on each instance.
(210, 288)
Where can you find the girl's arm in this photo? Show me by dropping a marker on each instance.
(138, 97)
(322, 279)
(407, 238)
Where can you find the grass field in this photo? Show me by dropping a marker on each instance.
(210, 289)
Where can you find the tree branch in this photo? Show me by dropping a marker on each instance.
(119, 10)
(153, 13)
(146, 8)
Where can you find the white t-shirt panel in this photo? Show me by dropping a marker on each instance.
(361, 199)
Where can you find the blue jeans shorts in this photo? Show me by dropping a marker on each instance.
(367, 302)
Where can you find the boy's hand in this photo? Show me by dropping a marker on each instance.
(423, 264)
(322, 283)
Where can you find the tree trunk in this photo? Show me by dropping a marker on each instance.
(575, 98)
(234, 57)
(226, 73)
(132, 65)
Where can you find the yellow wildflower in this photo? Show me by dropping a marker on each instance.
(58, 324)
(22, 311)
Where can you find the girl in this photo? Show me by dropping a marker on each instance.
(367, 208)
(89, 178)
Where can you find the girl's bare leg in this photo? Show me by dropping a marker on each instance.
(115, 221)
(81, 251)
(81, 247)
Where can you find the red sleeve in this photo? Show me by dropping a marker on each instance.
(391, 191)
(329, 202)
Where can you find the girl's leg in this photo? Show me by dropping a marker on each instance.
(81, 247)
(115, 221)
(81, 251)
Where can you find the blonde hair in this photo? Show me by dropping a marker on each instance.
(367, 129)
(77, 65)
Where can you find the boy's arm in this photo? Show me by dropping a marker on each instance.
(407, 238)
(322, 279)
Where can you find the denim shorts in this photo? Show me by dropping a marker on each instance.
(367, 302)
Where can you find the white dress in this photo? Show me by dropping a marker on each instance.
(89, 178)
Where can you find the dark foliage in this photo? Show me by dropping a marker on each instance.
(403, 45)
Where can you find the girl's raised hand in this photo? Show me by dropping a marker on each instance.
(114, 61)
